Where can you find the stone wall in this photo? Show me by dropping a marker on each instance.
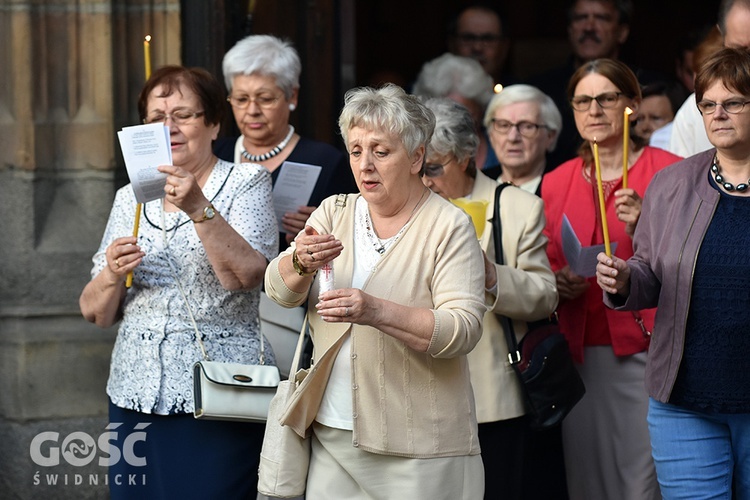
(71, 71)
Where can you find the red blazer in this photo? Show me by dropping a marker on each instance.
(566, 191)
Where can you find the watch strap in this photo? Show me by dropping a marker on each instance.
(209, 209)
(298, 266)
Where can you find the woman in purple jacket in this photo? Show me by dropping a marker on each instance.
(692, 260)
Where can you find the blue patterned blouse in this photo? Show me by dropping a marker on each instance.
(151, 368)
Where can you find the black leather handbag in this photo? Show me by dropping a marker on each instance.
(549, 379)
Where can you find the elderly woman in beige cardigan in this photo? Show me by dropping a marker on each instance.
(390, 404)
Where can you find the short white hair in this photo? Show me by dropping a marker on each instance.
(264, 55)
(513, 94)
(391, 110)
(449, 74)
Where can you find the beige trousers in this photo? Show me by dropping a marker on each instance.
(338, 470)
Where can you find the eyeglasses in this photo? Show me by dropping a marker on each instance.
(433, 170)
(480, 38)
(262, 101)
(733, 107)
(606, 100)
(179, 117)
(526, 129)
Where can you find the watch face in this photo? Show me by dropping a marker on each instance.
(209, 212)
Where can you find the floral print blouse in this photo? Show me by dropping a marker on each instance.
(156, 348)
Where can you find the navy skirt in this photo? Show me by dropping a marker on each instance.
(177, 456)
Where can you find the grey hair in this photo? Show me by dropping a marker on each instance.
(391, 109)
(513, 94)
(450, 73)
(455, 133)
(264, 55)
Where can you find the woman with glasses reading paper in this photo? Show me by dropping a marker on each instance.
(197, 264)
(261, 73)
(605, 438)
(691, 259)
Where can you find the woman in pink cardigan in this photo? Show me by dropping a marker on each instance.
(605, 437)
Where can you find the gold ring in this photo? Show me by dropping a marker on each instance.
(117, 262)
(174, 191)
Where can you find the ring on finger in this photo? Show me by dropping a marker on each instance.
(174, 191)
(346, 313)
(309, 252)
(117, 262)
(312, 257)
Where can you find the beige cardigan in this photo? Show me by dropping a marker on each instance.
(405, 403)
(526, 291)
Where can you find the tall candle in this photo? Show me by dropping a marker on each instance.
(602, 205)
(129, 278)
(625, 146)
(136, 224)
(147, 55)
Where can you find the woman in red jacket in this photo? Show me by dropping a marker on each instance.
(605, 438)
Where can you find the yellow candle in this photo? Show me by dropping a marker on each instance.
(602, 205)
(137, 223)
(625, 146)
(147, 55)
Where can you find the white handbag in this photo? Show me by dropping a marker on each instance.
(285, 456)
(234, 391)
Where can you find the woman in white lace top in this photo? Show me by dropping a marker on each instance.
(200, 254)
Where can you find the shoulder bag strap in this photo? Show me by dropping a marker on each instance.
(298, 351)
(497, 235)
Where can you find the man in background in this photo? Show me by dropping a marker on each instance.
(596, 29)
(477, 32)
(688, 131)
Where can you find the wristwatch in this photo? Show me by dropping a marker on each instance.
(298, 267)
(208, 213)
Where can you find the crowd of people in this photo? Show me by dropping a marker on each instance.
(412, 393)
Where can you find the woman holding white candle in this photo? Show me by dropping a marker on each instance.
(389, 399)
(605, 439)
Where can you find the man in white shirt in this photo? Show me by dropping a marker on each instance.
(688, 133)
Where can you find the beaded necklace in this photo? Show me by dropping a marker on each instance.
(273, 152)
(722, 182)
(381, 245)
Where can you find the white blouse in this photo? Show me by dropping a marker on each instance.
(336, 407)
(153, 356)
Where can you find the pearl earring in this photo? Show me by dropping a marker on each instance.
(292, 107)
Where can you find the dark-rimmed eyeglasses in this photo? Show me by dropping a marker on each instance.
(526, 129)
(243, 101)
(732, 106)
(607, 100)
(433, 170)
(179, 117)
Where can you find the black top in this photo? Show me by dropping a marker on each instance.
(714, 373)
(335, 176)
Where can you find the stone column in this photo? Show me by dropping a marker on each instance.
(71, 73)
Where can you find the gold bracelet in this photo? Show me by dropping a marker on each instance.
(298, 267)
